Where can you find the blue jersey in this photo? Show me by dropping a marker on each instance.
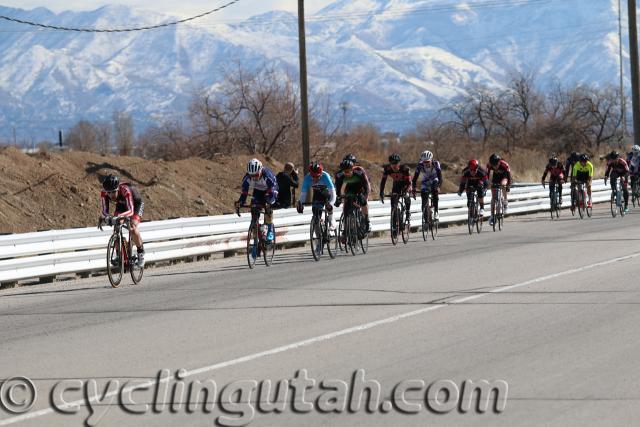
(325, 182)
(265, 186)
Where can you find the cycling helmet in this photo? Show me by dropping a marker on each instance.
(394, 159)
(614, 155)
(254, 167)
(426, 156)
(473, 164)
(110, 183)
(583, 157)
(494, 159)
(574, 155)
(315, 169)
(635, 149)
(351, 157)
(346, 164)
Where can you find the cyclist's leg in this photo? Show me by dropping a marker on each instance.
(572, 190)
(480, 192)
(503, 188)
(424, 195)
(559, 183)
(625, 190)
(364, 207)
(434, 195)
(589, 190)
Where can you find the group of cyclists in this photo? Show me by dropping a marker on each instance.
(578, 169)
(351, 182)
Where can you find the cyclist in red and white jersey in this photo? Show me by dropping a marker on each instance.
(128, 204)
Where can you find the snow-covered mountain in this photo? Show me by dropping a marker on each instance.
(392, 60)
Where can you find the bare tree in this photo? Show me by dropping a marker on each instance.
(82, 136)
(104, 132)
(123, 132)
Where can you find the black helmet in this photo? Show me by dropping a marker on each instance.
(583, 157)
(494, 159)
(574, 155)
(351, 157)
(110, 183)
(394, 159)
(614, 155)
(346, 164)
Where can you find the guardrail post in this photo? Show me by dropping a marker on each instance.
(47, 279)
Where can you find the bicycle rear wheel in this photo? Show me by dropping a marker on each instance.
(115, 272)
(269, 249)
(471, 215)
(134, 269)
(253, 244)
(363, 235)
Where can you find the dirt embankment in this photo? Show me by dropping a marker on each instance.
(61, 190)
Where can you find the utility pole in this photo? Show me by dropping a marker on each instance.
(623, 98)
(344, 106)
(304, 102)
(633, 51)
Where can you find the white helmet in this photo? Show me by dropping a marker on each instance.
(636, 149)
(426, 155)
(254, 167)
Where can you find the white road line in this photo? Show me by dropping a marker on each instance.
(326, 337)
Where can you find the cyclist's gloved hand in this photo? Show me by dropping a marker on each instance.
(508, 188)
(337, 203)
(459, 193)
(543, 186)
(382, 197)
(299, 207)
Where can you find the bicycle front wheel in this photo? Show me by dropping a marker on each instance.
(331, 239)
(135, 270)
(479, 221)
(269, 249)
(394, 226)
(406, 226)
(115, 266)
(614, 208)
(315, 238)
(253, 245)
(425, 226)
(470, 219)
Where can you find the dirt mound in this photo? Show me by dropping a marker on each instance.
(61, 190)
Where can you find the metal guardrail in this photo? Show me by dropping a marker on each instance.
(50, 253)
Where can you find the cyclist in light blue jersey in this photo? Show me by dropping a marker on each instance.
(324, 192)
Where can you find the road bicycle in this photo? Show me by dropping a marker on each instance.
(257, 243)
(120, 254)
(474, 219)
(616, 199)
(635, 190)
(353, 227)
(429, 223)
(320, 233)
(498, 202)
(399, 222)
(580, 196)
(554, 199)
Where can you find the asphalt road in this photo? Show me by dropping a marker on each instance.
(550, 308)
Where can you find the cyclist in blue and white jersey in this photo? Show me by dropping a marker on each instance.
(265, 191)
(431, 179)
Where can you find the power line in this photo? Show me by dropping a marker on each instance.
(119, 30)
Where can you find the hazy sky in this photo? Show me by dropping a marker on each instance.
(182, 8)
